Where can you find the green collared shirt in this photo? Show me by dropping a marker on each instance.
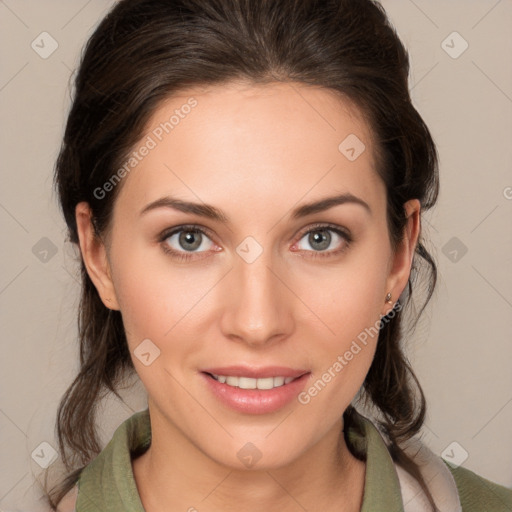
(108, 484)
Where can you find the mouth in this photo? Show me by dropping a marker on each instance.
(255, 391)
(251, 382)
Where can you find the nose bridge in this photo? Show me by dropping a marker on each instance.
(256, 310)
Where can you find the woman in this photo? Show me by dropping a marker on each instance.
(245, 180)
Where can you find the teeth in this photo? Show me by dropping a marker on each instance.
(232, 381)
(267, 383)
(250, 383)
(279, 381)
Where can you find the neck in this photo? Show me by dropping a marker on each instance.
(176, 475)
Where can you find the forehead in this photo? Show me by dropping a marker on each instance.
(276, 142)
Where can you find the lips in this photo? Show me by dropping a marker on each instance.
(255, 390)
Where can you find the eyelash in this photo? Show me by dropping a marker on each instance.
(185, 256)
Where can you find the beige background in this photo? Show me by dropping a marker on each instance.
(462, 349)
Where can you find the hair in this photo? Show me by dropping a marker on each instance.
(142, 53)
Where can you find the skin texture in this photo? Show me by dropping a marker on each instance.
(256, 152)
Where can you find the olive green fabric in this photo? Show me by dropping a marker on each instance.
(108, 484)
(479, 494)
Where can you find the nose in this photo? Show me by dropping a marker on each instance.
(259, 306)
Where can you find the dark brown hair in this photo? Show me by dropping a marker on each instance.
(144, 51)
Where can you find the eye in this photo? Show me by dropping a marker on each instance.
(184, 241)
(322, 237)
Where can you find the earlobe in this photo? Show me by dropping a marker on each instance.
(94, 255)
(403, 257)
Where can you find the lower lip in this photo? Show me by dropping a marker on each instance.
(256, 401)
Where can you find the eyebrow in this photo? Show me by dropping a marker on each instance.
(210, 212)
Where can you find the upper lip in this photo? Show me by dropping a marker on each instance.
(256, 373)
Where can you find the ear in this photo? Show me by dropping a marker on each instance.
(94, 254)
(402, 260)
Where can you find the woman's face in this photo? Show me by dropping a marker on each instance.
(270, 280)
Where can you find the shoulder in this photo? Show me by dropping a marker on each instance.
(68, 502)
(477, 494)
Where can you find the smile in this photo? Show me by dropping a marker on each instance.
(252, 383)
(255, 390)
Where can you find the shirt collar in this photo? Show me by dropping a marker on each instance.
(107, 483)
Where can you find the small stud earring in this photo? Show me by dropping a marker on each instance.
(388, 298)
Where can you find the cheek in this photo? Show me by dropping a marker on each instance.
(343, 354)
(349, 302)
(159, 303)
(347, 298)
(154, 294)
